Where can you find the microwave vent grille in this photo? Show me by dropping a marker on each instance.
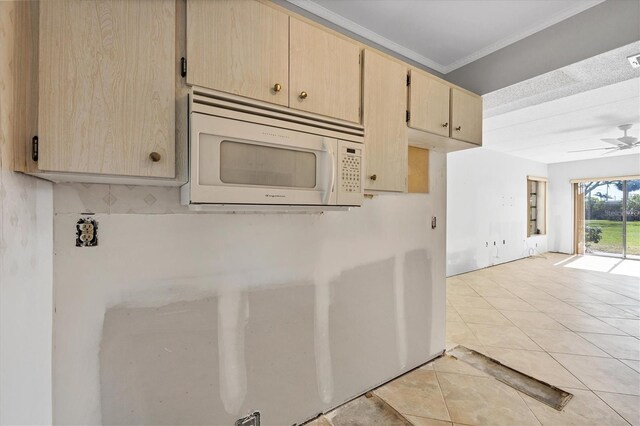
(235, 107)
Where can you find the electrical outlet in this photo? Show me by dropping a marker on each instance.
(634, 60)
(86, 232)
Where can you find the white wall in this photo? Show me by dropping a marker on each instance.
(487, 203)
(200, 318)
(26, 226)
(561, 192)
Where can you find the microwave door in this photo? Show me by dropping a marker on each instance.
(245, 163)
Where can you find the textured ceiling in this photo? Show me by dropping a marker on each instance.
(602, 70)
(570, 109)
(444, 34)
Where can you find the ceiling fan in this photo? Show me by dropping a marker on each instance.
(622, 143)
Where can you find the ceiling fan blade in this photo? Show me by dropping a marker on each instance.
(615, 142)
(628, 140)
(609, 152)
(594, 149)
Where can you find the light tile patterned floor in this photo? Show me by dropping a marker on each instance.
(552, 317)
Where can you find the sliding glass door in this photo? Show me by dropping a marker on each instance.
(608, 221)
(632, 218)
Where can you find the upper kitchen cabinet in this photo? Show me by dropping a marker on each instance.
(107, 87)
(385, 137)
(239, 47)
(324, 72)
(466, 116)
(428, 104)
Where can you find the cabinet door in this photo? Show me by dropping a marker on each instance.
(386, 140)
(240, 47)
(466, 117)
(429, 104)
(107, 87)
(324, 72)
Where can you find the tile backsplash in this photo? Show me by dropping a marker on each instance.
(117, 199)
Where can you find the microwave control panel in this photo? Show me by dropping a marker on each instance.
(350, 170)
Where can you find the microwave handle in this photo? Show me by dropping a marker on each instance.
(327, 194)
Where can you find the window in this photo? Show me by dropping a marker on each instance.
(536, 206)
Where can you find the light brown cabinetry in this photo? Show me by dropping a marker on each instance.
(440, 109)
(107, 87)
(253, 49)
(239, 47)
(428, 104)
(386, 141)
(324, 72)
(466, 117)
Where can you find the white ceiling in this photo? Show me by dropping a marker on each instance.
(546, 132)
(568, 109)
(444, 34)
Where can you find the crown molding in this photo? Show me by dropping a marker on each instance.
(358, 29)
(500, 44)
(324, 13)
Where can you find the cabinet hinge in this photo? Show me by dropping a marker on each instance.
(183, 67)
(408, 115)
(34, 148)
(408, 79)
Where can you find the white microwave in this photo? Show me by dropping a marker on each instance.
(240, 159)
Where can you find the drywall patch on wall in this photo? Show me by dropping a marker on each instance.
(303, 282)
(141, 348)
(419, 272)
(487, 209)
(219, 357)
(363, 302)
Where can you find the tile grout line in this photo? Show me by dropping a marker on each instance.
(552, 357)
(529, 408)
(573, 302)
(476, 336)
(587, 386)
(542, 350)
(599, 347)
(613, 409)
(442, 394)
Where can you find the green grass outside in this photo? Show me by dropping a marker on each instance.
(611, 241)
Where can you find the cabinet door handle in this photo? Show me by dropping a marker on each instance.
(458, 128)
(277, 87)
(445, 125)
(155, 157)
(303, 95)
(373, 177)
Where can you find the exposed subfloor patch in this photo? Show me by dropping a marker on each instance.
(537, 389)
(365, 410)
(404, 405)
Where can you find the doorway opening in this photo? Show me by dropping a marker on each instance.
(607, 217)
